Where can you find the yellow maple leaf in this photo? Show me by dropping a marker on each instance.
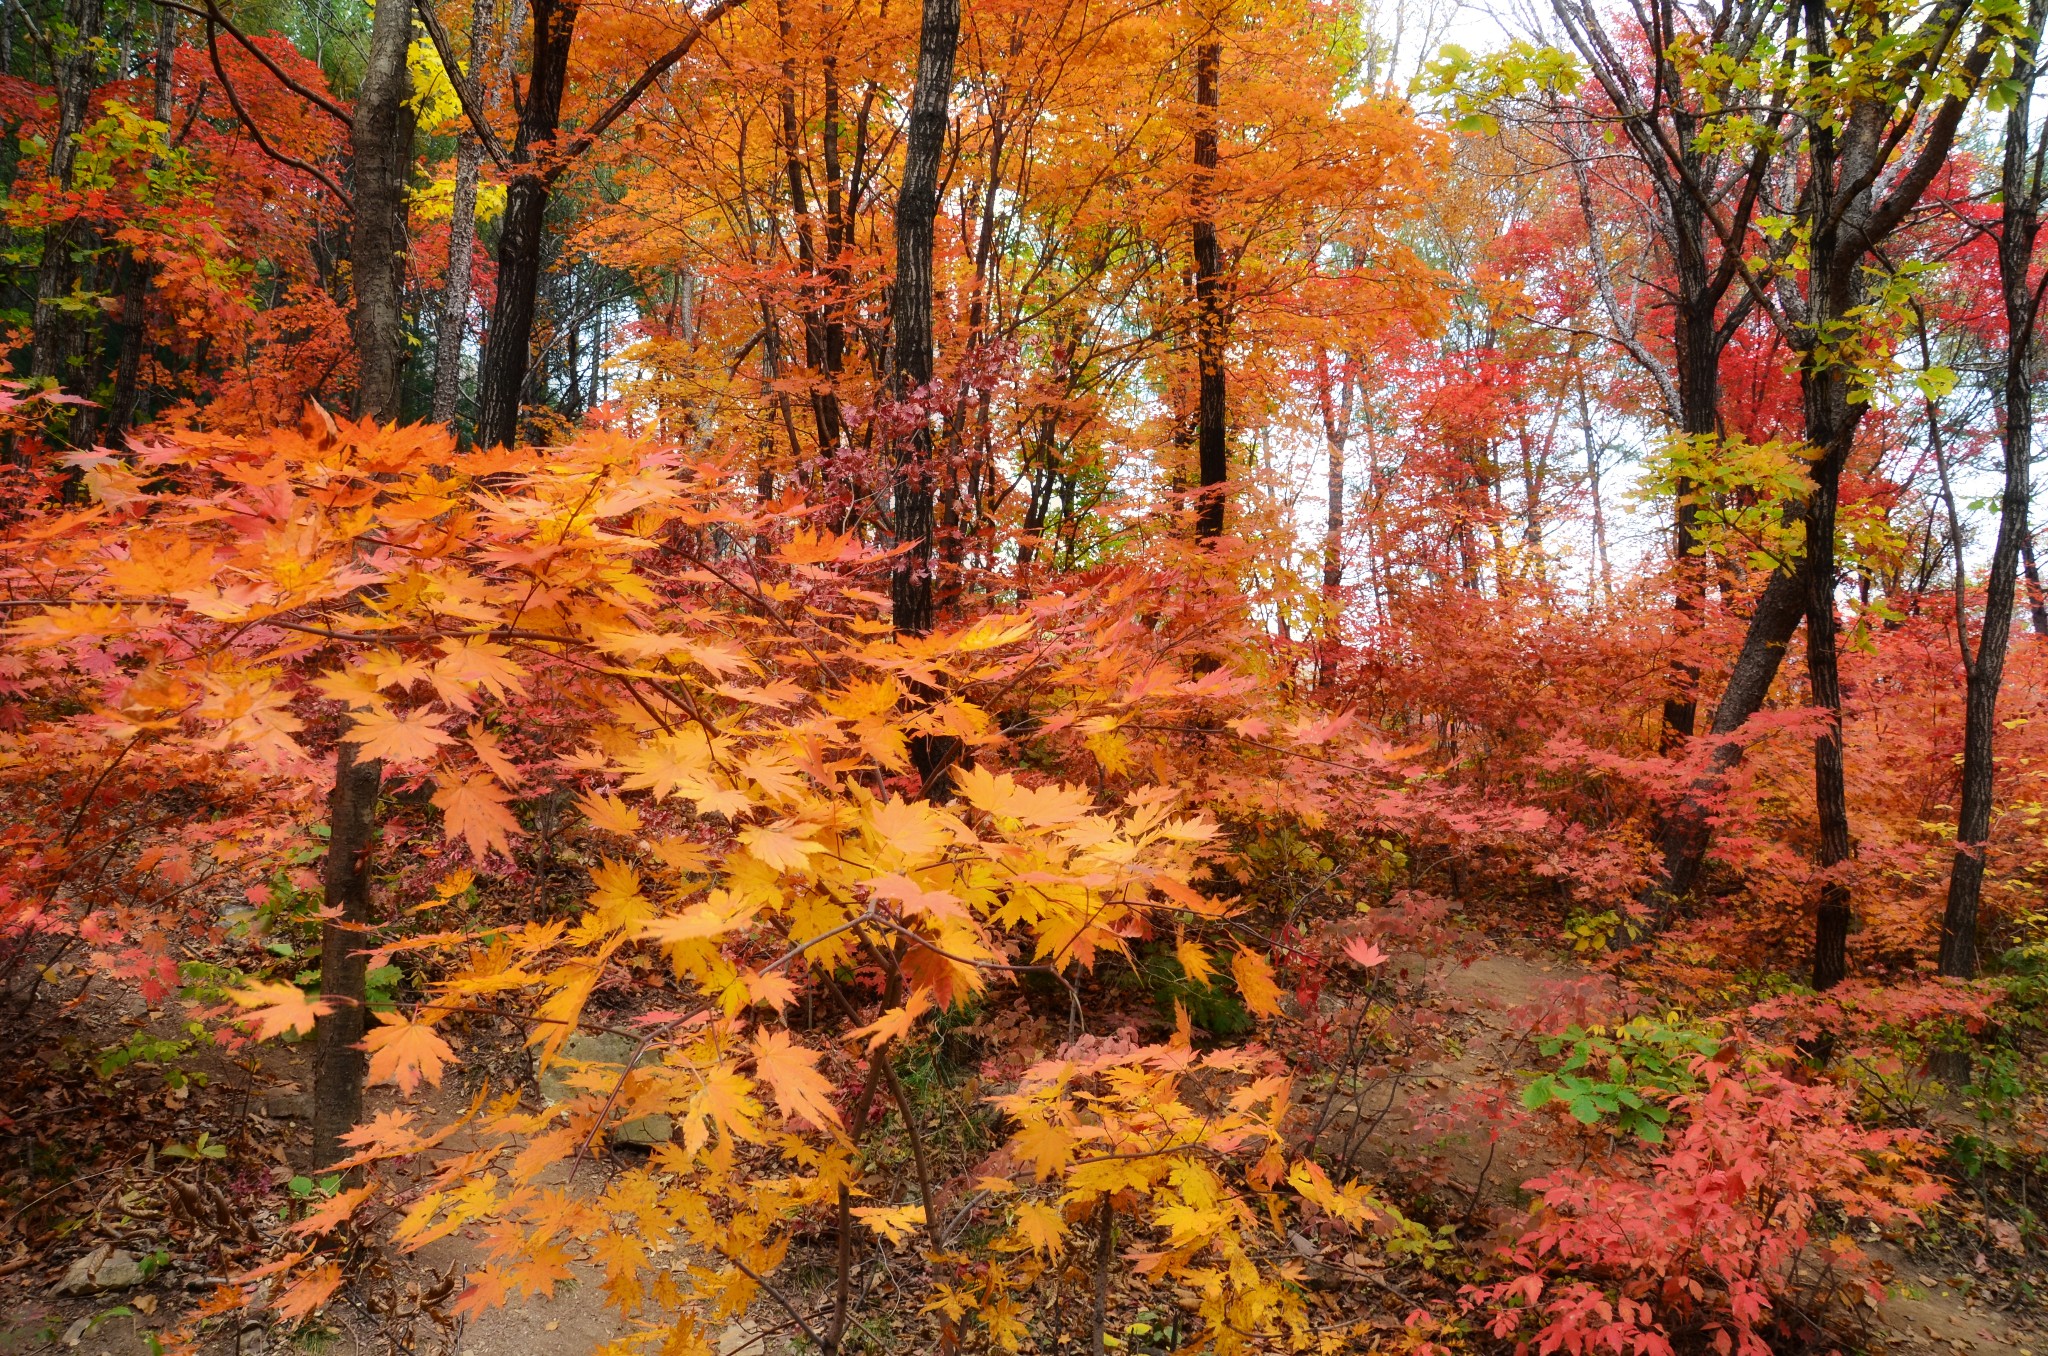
(610, 813)
(1042, 1228)
(276, 1008)
(1194, 958)
(778, 849)
(403, 1051)
(791, 1071)
(893, 1222)
(1254, 978)
(1047, 1147)
(397, 736)
(908, 828)
(474, 810)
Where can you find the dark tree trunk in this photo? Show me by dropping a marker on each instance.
(2020, 225)
(380, 143)
(501, 376)
(917, 206)
(76, 75)
(1688, 828)
(126, 400)
(1211, 430)
(2037, 598)
(339, 1065)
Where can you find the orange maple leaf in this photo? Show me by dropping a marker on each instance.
(791, 1070)
(896, 1022)
(397, 735)
(404, 1051)
(474, 810)
(276, 1008)
(309, 1292)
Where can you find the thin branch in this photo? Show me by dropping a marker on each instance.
(212, 15)
(620, 106)
(256, 133)
(465, 94)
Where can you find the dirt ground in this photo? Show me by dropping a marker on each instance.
(258, 1106)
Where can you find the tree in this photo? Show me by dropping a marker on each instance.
(917, 205)
(2022, 186)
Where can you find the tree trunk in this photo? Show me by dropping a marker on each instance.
(126, 400)
(453, 320)
(1336, 434)
(76, 59)
(1211, 431)
(339, 1065)
(2037, 598)
(380, 143)
(917, 206)
(1688, 828)
(501, 376)
(2020, 225)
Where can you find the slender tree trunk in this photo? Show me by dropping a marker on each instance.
(501, 376)
(1336, 434)
(1211, 430)
(380, 144)
(1687, 829)
(339, 1064)
(2037, 598)
(2020, 225)
(125, 402)
(76, 75)
(381, 141)
(917, 207)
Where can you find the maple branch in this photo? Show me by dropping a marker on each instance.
(212, 15)
(775, 1295)
(786, 957)
(460, 80)
(619, 107)
(256, 133)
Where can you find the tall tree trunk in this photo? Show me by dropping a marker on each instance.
(126, 399)
(380, 143)
(2020, 225)
(76, 58)
(1211, 430)
(501, 376)
(1336, 434)
(917, 207)
(2037, 598)
(1687, 829)
(339, 1065)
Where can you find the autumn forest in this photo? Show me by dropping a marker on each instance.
(878, 676)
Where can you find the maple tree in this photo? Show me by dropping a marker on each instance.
(997, 585)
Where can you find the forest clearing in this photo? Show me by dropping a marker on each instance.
(867, 676)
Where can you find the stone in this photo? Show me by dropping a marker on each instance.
(601, 1049)
(104, 1268)
(282, 1105)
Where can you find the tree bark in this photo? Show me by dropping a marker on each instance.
(1687, 830)
(380, 143)
(2037, 598)
(917, 206)
(125, 402)
(339, 1065)
(1211, 399)
(1336, 435)
(76, 59)
(501, 376)
(2020, 224)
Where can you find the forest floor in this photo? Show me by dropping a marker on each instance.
(235, 1132)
